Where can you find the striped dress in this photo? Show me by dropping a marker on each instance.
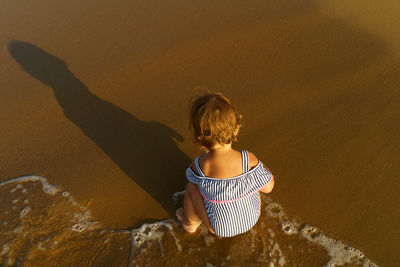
(232, 204)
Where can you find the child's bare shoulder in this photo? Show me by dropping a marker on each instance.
(193, 166)
(253, 160)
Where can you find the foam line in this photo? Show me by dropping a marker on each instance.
(164, 237)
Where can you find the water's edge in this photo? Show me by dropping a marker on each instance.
(42, 223)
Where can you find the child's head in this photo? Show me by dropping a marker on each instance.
(214, 120)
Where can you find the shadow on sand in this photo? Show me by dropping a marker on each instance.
(145, 151)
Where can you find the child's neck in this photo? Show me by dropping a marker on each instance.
(221, 148)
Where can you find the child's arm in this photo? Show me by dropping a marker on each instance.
(253, 161)
(268, 187)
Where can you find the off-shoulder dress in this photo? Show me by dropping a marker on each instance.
(232, 204)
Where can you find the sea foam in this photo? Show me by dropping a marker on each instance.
(55, 224)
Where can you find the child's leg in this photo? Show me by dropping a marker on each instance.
(194, 208)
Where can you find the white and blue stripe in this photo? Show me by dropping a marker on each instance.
(232, 204)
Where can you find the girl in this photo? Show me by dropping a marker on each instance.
(224, 184)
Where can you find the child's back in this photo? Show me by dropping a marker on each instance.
(224, 164)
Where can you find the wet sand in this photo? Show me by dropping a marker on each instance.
(94, 97)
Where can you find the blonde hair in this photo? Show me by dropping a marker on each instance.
(213, 120)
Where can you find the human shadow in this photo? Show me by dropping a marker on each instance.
(146, 151)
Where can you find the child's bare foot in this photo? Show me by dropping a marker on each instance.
(189, 227)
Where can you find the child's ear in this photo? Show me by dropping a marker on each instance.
(237, 129)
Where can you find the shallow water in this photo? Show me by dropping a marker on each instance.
(42, 223)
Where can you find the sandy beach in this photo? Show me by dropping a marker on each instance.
(94, 96)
